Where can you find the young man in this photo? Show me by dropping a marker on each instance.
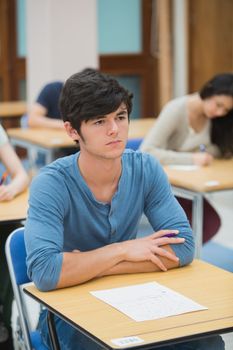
(85, 209)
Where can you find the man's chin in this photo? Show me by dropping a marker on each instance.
(117, 153)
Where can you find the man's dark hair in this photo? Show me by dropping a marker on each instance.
(89, 94)
(220, 84)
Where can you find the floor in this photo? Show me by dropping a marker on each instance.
(223, 202)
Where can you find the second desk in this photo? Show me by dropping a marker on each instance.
(195, 184)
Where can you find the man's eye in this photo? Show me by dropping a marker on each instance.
(99, 122)
(122, 117)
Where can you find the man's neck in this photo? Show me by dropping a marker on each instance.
(100, 172)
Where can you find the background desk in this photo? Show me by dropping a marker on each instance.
(48, 141)
(204, 283)
(44, 140)
(195, 184)
(14, 210)
(140, 127)
(12, 109)
(11, 112)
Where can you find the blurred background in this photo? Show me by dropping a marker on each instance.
(158, 49)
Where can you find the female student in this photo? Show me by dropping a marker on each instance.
(195, 129)
(13, 169)
(13, 166)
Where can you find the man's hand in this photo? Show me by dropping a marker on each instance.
(150, 248)
(137, 255)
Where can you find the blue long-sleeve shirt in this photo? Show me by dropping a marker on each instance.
(64, 214)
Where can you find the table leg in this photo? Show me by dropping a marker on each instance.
(52, 331)
(197, 222)
(49, 156)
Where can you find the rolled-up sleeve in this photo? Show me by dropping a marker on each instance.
(164, 211)
(44, 232)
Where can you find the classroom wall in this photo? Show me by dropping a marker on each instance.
(61, 40)
(180, 49)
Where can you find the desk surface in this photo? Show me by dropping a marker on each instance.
(55, 138)
(14, 210)
(217, 176)
(12, 109)
(204, 283)
(140, 127)
(48, 138)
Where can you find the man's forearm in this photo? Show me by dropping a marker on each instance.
(139, 267)
(79, 267)
(151, 253)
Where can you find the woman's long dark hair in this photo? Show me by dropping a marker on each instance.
(221, 133)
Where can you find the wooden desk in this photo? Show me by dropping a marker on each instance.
(12, 109)
(14, 210)
(44, 140)
(48, 141)
(204, 283)
(138, 128)
(195, 184)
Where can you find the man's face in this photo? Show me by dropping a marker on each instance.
(105, 136)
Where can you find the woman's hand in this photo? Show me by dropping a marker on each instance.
(7, 193)
(202, 158)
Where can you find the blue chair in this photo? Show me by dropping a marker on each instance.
(24, 121)
(218, 255)
(27, 338)
(134, 143)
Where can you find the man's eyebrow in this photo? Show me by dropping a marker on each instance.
(98, 117)
(123, 110)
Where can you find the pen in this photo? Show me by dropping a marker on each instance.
(170, 235)
(202, 148)
(3, 178)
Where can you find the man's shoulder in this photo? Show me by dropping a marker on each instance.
(50, 89)
(53, 86)
(55, 173)
(139, 159)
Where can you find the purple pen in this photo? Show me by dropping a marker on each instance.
(170, 235)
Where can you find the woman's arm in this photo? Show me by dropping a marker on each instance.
(15, 169)
(168, 131)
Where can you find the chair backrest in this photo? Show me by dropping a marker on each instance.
(134, 143)
(16, 260)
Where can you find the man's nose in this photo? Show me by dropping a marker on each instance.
(112, 127)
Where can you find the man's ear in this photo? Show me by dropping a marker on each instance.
(71, 131)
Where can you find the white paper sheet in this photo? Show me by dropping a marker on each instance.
(184, 167)
(148, 301)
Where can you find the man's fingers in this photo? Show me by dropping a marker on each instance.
(167, 240)
(155, 260)
(165, 254)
